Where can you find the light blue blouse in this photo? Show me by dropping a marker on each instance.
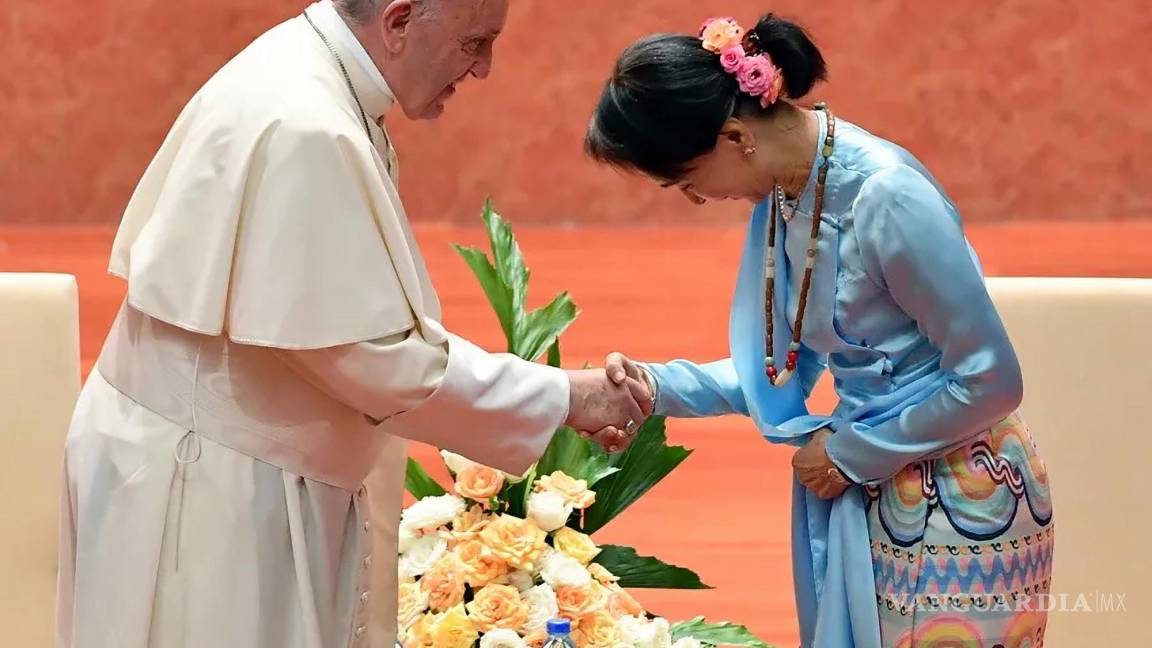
(899, 314)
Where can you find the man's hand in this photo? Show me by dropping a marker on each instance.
(604, 410)
(815, 469)
(622, 370)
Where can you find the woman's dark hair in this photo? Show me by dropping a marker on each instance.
(669, 97)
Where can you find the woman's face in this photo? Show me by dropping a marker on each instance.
(727, 172)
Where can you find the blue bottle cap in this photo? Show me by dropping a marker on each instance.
(559, 626)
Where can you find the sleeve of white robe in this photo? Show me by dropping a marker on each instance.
(495, 409)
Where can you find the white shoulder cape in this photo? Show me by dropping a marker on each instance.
(268, 215)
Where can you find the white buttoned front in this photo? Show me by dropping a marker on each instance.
(363, 595)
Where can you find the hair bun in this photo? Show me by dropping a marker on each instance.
(791, 50)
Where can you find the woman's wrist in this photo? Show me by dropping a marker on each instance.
(836, 472)
(653, 386)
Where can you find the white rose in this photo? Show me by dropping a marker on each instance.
(631, 628)
(542, 606)
(405, 539)
(420, 557)
(432, 513)
(521, 580)
(655, 634)
(501, 638)
(686, 642)
(560, 570)
(549, 510)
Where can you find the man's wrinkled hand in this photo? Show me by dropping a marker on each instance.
(604, 411)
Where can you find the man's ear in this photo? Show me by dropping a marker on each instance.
(393, 23)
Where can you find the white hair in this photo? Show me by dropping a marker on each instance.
(362, 12)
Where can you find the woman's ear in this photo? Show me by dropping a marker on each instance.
(736, 134)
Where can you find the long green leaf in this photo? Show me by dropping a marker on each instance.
(498, 294)
(597, 468)
(517, 495)
(418, 482)
(542, 327)
(717, 634)
(567, 451)
(645, 571)
(554, 354)
(509, 262)
(647, 461)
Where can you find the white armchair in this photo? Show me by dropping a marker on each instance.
(39, 382)
(1086, 349)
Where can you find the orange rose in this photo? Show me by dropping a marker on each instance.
(575, 544)
(578, 602)
(421, 634)
(574, 491)
(597, 630)
(621, 603)
(470, 523)
(517, 542)
(498, 606)
(601, 573)
(721, 33)
(481, 565)
(535, 639)
(454, 630)
(479, 482)
(412, 603)
(444, 583)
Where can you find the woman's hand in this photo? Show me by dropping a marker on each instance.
(621, 368)
(815, 469)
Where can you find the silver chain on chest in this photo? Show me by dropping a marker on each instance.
(347, 78)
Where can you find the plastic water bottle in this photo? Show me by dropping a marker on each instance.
(559, 634)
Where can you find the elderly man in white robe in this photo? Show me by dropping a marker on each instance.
(279, 341)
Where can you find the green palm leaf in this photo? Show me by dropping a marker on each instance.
(638, 571)
(717, 634)
(539, 330)
(499, 296)
(647, 461)
(418, 482)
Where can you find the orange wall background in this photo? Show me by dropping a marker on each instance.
(1026, 109)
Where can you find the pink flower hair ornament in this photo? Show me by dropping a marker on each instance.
(757, 74)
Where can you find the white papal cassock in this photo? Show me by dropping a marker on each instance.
(279, 340)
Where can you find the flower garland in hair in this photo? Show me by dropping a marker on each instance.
(757, 75)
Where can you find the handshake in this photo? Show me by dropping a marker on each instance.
(608, 405)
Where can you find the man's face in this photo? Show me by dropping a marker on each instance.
(443, 43)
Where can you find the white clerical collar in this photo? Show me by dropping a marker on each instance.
(370, 85)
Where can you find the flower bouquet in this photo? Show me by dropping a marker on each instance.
(494, 559)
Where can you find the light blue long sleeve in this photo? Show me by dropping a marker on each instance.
(913, 246)
(689, 390)
(686, 389)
